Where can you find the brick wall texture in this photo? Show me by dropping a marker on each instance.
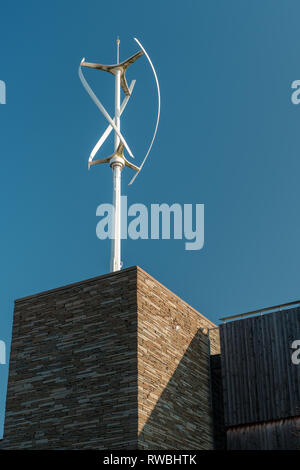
(114, 362)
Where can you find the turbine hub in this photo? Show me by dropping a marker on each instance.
(117, 160)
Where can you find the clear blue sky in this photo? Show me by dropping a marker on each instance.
(229, 138)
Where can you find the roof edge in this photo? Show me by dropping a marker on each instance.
(74, 284)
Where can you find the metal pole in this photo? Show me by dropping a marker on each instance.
(117, 106)
(117, 164)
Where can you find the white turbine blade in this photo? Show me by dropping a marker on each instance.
(108, 130)
(103, 110)
(158, 109)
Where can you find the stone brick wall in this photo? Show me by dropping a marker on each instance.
(174, 396)
(113, 362)
(73, 368)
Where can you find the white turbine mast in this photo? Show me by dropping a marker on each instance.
(117, 160)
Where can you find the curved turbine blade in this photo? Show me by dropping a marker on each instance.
(158, 109)
(102, 109)
(109, 128)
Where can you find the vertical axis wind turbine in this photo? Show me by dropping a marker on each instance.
(117, 160)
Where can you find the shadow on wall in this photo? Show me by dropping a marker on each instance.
(218, 402)
(182, 416)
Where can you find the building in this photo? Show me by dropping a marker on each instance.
(120, 362)
(113, 362)
(261, 383)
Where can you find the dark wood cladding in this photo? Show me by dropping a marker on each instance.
(283, 434)
(259, 379)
